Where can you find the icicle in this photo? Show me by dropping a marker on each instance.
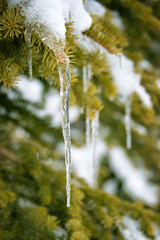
(37, 155)
(85, 87)
(95, 129)
(64, 74)
(128, 123)
(88, 131)
(86, 78)
(29, 42)
(120, 61)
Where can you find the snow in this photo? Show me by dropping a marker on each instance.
(126, 80)
(131, 230)
(51, 16)
(117, 20)
(31, 91)
(135, 181)
(82, 160)
(158, 82)
(122, 69)
(95, 8)
(110, 186)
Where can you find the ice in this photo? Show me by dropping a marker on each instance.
(128, 123)
(86, 79)
(87, 74)
(88, 132)
(95, 129)
(48, 17)
(29, 42)
(64, 74)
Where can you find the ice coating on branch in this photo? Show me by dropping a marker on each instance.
(64, 74)
(52, 15)
(128, 123)
(29, 42)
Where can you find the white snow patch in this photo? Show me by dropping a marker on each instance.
(117, 20)
(53, 108)
(144, 64)
(95, 7)
(135, 181)
(52, 15)
(82, 160)
(139, 128)
(132, 230)
(31, 91)
(126, 80)
(157, 233)
(110, 186)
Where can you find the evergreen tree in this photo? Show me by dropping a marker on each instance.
(32, 169)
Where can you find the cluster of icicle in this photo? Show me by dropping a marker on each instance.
(92, 126)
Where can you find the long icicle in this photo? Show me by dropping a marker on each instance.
(64, 74)
(29, 42)
(128, 123)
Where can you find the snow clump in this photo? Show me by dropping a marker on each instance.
(48, 17)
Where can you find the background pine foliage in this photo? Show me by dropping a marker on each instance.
(32, 191)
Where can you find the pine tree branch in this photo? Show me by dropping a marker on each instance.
(10, 155)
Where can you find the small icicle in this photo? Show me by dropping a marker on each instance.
(85, 87)
(120, 61)
(37, 155)
(64, 74)
(88, 131)
(128, 123)
(95, 129)
(86, 79)
(29, 42)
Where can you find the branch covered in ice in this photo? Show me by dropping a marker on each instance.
(48, 17)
